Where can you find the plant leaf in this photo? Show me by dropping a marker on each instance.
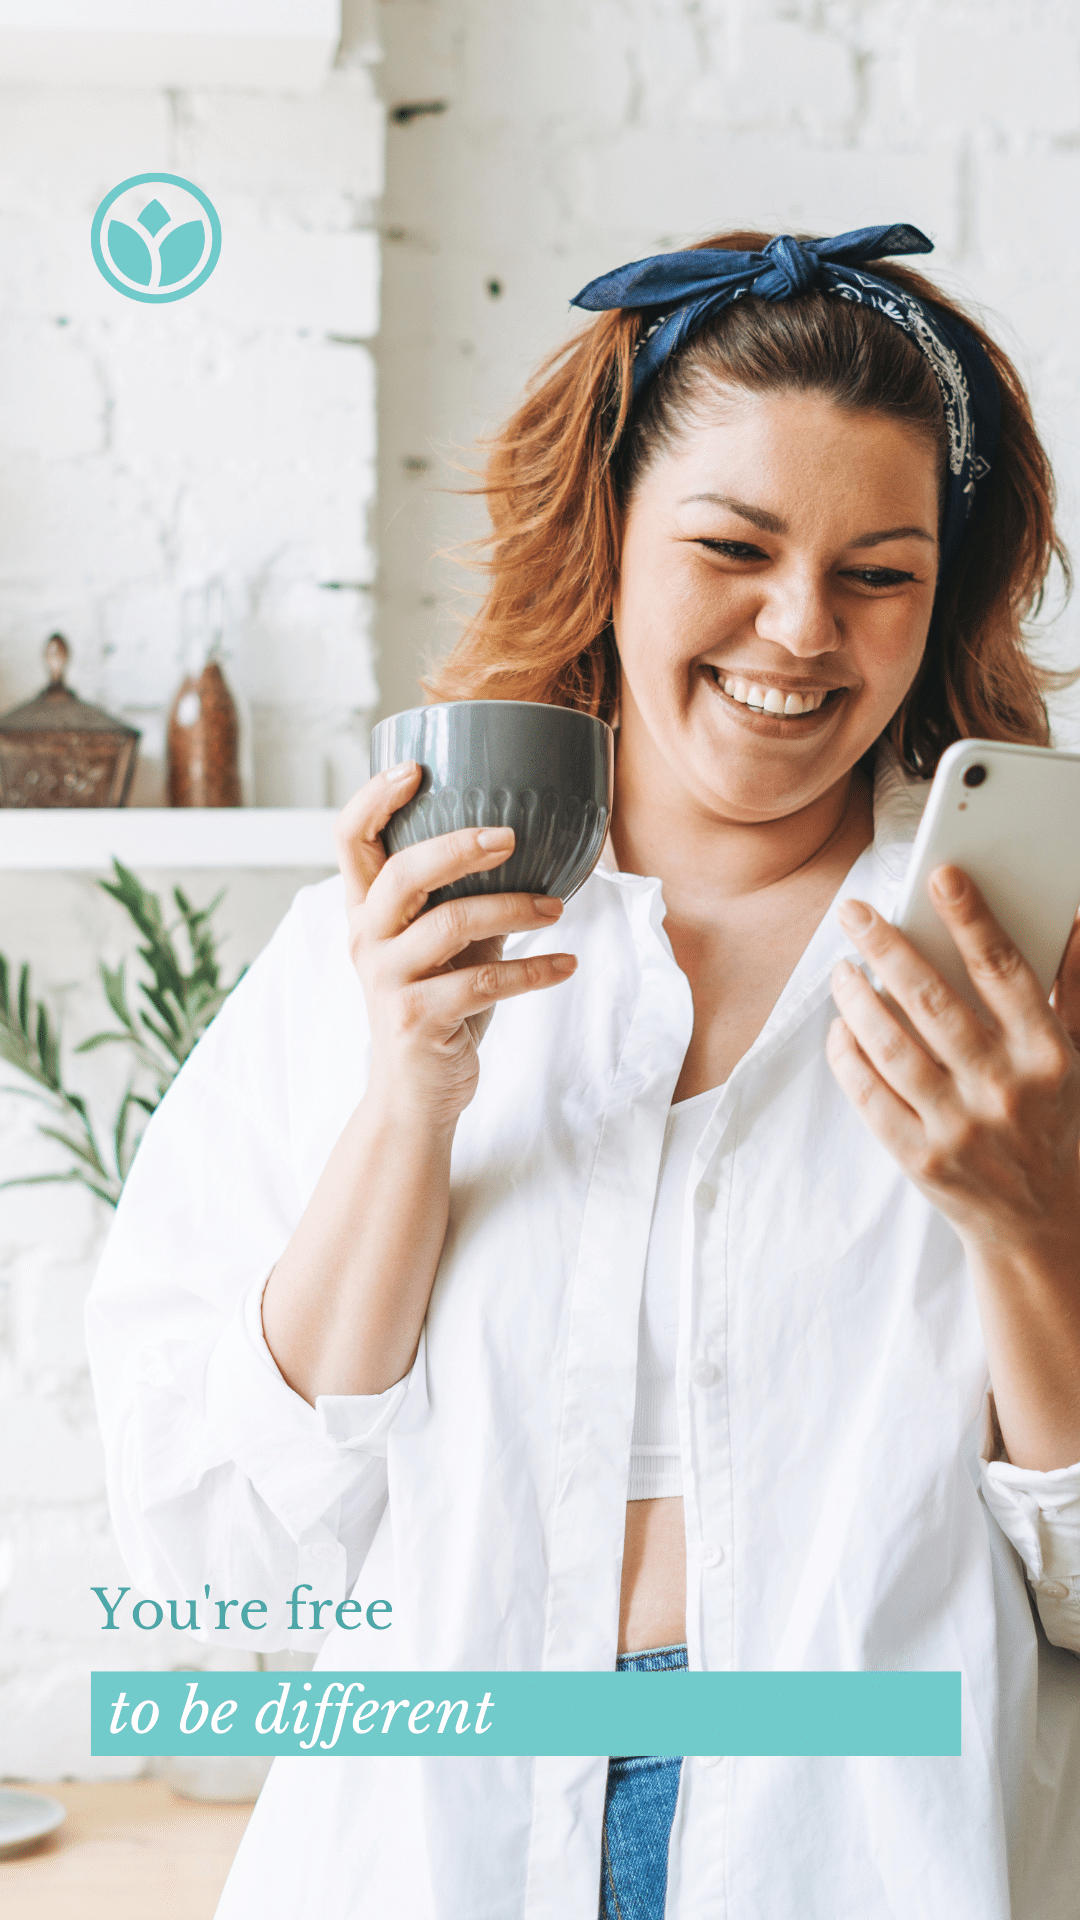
(116, 992)
(120, 1136)
(13, 1049)
(144, 908)
(63, 1179)
(160, 1003)
(36, 1092)
(110, 1199)
(89, 1154)
(40, 1179)
(46, 1048)
(100, 1039)
(168, 1040)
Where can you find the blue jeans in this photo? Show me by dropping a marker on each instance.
(638, 1813)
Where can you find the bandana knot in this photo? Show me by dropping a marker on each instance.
(792, 269)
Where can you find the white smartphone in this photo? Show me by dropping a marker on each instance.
(1010, 817)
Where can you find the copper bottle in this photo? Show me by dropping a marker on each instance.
(203, 743)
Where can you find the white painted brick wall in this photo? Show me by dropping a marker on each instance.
(146, 450)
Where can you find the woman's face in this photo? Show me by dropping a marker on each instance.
(775, 591)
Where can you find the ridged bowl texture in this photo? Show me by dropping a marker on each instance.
(545, 771)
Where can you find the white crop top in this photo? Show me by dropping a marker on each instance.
(655, 1460)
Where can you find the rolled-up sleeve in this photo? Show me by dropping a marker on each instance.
(1040, 1514)
(219, 1475)
(298, 1458)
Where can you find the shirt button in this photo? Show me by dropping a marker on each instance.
(705, 1197)
(1053, 1589)
(703, 1373)
(711, 1759)
(712, 1556)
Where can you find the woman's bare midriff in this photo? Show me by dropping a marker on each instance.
(652, 1610)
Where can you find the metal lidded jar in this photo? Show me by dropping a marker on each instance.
(58, 751)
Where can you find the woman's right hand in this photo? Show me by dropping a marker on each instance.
(432, 980)
(344, 1306)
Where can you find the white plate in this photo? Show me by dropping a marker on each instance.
(26, 1817)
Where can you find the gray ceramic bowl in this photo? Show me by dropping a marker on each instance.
(545, 771)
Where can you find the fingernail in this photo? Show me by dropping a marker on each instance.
(948, 882)
(491, 837)
(855, 916)
(543, 903)
(563, 963)
(402, 771)
(843, 972)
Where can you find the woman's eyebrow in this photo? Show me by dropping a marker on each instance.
(893, 533)
(757, 516)
(772, 523)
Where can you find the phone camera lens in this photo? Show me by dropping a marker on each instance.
(974, 776)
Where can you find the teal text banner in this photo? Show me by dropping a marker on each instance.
(525, 1713)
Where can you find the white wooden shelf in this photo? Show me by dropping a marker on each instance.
(84, 839)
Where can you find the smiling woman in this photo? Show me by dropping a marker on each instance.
(563, 471)
(668, 1321)
(775, 606)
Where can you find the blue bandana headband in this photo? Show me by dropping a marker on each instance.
(681, 291)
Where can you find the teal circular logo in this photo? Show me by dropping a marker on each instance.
(156, 237)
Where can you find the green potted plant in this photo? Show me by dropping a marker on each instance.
(177, 1001)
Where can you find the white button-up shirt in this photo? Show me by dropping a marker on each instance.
(842, 1506)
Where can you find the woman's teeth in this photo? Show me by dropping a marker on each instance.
(770, 699)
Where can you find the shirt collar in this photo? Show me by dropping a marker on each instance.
(899, 802)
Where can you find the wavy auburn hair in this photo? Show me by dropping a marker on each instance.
(560, 473)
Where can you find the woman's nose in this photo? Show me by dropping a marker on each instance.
(797, 614)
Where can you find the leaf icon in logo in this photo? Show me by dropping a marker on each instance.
(181, 250)
(130, 252)
(155, 249)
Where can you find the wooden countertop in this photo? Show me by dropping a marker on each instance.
(128, 1850)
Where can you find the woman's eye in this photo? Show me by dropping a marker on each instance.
(879, 576)
(742, 550)
(734, 549)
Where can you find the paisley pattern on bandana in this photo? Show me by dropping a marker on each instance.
(911, 316)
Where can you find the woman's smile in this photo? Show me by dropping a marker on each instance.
(772, 704)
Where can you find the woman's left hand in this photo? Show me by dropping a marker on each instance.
(986, 1121)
